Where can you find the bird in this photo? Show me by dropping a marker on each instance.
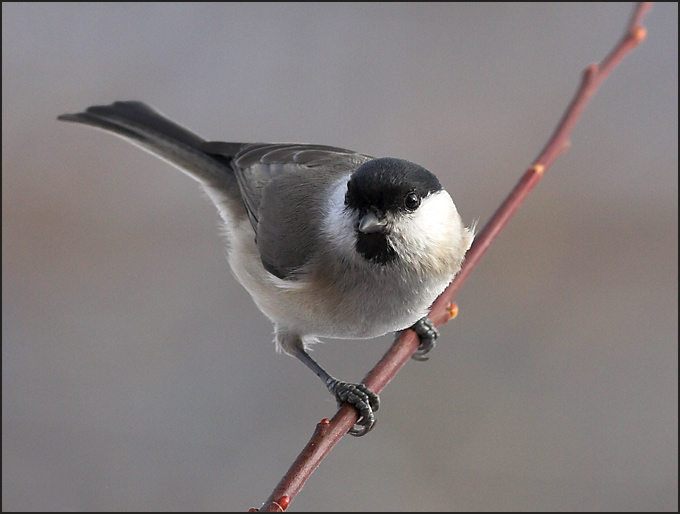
(329, 242)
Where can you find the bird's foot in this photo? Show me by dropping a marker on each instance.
(427, 334)
(365, 401)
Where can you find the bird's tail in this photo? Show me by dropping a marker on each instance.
(153, 132)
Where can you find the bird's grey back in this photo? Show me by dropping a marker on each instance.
(285, 187)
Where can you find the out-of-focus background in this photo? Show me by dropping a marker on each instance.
(137, 374)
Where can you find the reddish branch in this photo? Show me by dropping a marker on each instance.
(328, 433)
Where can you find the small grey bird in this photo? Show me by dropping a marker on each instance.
(328, 242)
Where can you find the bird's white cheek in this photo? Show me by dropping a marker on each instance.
(436, 233)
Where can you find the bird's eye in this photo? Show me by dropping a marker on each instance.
(412, 201)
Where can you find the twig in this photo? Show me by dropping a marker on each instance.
(328, 433)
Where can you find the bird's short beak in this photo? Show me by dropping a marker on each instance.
(370, 224)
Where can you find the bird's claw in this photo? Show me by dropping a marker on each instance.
(427, 334)
(365, 401)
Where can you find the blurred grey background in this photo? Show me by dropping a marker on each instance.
(139, 375)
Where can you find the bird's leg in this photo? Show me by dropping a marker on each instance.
(365, 401)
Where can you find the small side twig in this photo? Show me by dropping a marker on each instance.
(328, 433)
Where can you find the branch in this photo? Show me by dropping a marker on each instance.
(328, 433)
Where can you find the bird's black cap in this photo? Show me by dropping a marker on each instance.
(382, 184)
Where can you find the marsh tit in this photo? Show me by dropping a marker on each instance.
(328, 242)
